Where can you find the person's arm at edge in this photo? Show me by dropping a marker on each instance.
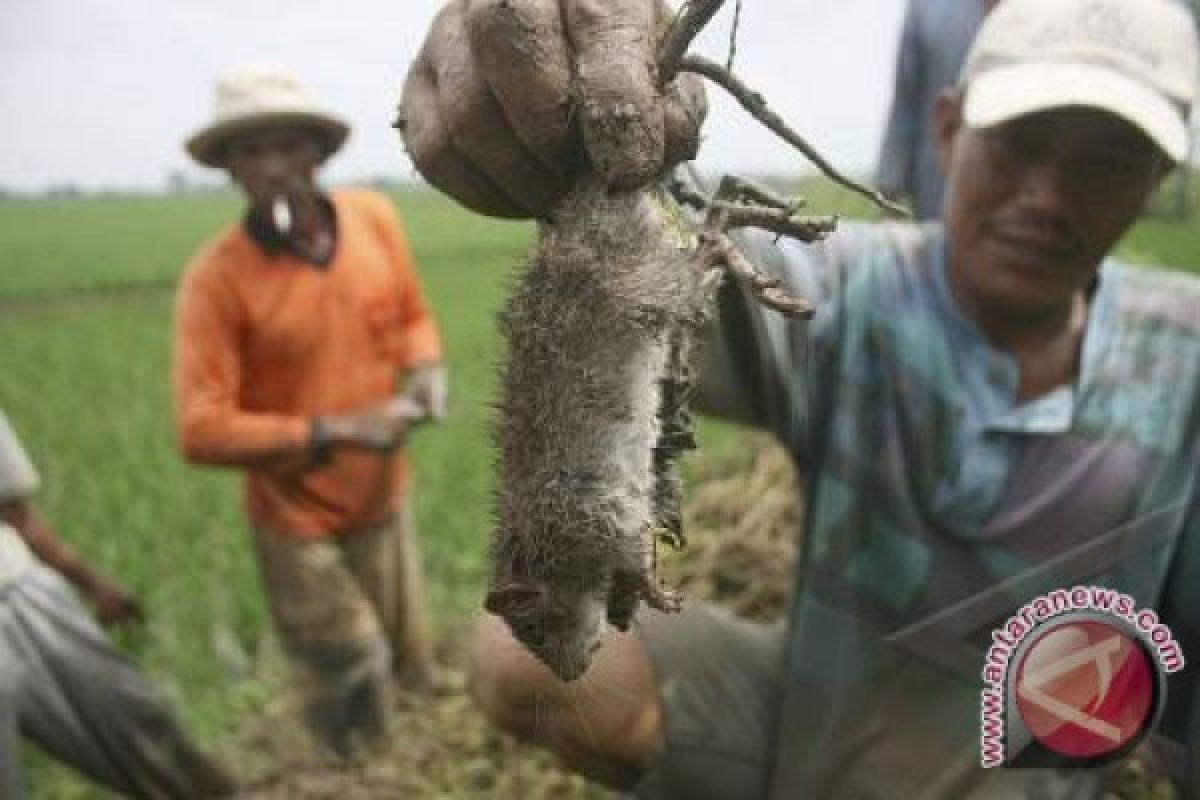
(897, 156)
(111, 601)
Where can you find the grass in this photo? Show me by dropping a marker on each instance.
(86, 384)
(85, 365)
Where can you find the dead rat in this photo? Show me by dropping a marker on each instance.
(594, 329)
(571, 112)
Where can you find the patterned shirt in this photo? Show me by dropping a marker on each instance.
(937, 505)
(18, 480)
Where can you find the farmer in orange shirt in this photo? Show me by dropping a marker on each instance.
(303, 355)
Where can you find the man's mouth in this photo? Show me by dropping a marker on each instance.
(1036, 242)
(281, 214)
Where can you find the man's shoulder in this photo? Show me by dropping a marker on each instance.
(1156, 295)
(885, 248)
(861, 237)
(369, 202)
(225, 251)
(903, 239)
(858, 268)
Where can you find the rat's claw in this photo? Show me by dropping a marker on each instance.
(661, 598)
(673, 537)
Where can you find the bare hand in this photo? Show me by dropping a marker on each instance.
(510, 100)
(113, 604)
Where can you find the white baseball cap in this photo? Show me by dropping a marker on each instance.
(257, 96)
(1137, 59)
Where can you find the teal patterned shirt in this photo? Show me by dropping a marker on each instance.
(937, 505)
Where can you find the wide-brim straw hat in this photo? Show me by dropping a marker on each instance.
(259, 97)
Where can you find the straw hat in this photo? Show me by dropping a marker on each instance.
(256, 97)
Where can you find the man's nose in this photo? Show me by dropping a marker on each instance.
(1045, 183)
(273, 165)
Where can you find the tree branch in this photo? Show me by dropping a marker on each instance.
(777, 220)
(688, 23)
(756, 105)
(743, 189)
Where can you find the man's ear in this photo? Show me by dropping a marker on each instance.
(947, 122)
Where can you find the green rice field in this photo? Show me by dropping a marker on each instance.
(85, 309)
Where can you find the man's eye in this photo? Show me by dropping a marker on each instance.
(1012, 143)
(293, 146)
(1118, 162)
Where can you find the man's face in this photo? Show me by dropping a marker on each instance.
(270, 162)
(1033, 205)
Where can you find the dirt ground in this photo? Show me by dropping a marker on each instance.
(441, 748)
(742, 519)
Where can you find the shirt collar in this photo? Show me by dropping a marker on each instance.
(263, 233)
(993, 372)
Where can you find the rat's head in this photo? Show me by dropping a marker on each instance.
(562, 627)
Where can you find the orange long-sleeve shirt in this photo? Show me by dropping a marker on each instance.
(263, 342)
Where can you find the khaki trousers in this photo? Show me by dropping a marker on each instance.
(350, 611)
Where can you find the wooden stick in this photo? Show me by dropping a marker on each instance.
(756, 105)
(688, 23)
(777, 220)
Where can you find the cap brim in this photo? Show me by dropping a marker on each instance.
(206, 145)
(1004, 93)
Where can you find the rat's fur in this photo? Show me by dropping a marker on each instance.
(595, 329)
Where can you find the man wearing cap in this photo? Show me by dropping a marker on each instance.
(984, 410)
(62, 682)
(304, 353)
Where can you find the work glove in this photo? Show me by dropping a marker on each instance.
(425, 387)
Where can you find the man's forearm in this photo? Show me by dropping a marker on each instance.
(245, 440)
(285, 444)
(48, 547)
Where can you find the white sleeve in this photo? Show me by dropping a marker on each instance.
(18, 478)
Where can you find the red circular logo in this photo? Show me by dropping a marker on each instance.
(1084, 688)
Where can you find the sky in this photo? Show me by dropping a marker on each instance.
(102, 93)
